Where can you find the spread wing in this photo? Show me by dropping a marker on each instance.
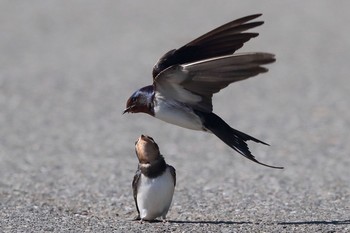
(135, 186)
(195, 83)
(221, 41)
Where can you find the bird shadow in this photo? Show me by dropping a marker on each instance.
(209, 222)
(320, 222)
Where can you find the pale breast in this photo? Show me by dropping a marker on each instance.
(175, 113)
(155, 195)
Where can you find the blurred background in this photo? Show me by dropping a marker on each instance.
(67, 153)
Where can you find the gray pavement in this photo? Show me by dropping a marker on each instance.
(67, 154)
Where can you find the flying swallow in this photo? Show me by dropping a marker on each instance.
(154, 182)
(185, 79)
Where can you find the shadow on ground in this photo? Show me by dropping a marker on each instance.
(333, 222)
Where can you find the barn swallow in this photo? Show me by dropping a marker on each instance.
(154, 182)
(185, 79)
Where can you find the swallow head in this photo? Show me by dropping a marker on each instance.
(140, 101)
(146, 149)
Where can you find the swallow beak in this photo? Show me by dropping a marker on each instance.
(129, 106)
(126, 110)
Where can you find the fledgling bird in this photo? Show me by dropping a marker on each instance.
(154, 182)
(185, 79)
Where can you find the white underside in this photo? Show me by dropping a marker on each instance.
(177, 114)
(154, 195)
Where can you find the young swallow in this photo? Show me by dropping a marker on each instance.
(154, 182)
(185, 79)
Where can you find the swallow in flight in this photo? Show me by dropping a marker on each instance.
(185, 79)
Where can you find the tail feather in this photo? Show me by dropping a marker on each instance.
(232, 137)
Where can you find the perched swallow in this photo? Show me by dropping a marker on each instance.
(154, 182)
(185, 79)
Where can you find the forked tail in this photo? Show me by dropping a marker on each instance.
(232, 137)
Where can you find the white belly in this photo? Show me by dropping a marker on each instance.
(174, 113)
(154, 195)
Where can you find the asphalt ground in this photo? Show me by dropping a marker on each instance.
(67, 153)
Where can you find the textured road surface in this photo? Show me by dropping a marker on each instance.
(67, 154)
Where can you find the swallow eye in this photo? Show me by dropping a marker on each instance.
(133, 99)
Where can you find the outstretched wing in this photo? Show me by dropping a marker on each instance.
(195, 83)
(221, 41)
